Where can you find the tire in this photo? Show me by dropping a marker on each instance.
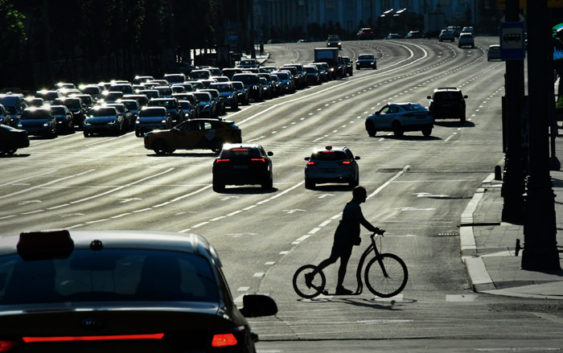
(391, 283)
(371, 129)
(319, 282)
(268, 184)
(218, 186)
(217, 146)
(462, 118)
(309, 184)
(87, 134)
(161, 148)
(138, 133)
(397, 129)
(426, 131)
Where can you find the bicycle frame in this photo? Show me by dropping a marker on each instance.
(372, 247)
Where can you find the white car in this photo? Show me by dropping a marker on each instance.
(400, 117)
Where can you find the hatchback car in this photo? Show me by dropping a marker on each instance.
(333, 41)
(108, 291)
(207, 105)
(493, 53)
(171, 105)
(11, 139)
(64, 118)
(242, 164)
(400, 117)
(252, 83)
(446, 35)
(104, 119)
(331, 165)
(38, 121)
(152, 118)
(194, 134)
(366, 60)
(466, 40)
(365, 33)
(447, 103)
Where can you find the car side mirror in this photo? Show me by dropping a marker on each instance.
(357, 157)
(306, 158)
(270, 153)
(464, 96)
(428, 97)
(256, 305)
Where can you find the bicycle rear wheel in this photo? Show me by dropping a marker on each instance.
(386, 275)
(317, 284)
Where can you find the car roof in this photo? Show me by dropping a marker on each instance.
(128, 239)
(241, 145)
(440, 89)
(331, 148)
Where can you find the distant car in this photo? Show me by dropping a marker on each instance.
(153, 292)
(447, 103)
(467, 29)
(312, 74)
(333, 41)
(365, 33)
(393, 36)
(207, 105)
(128, 117)
(103, 119)
(248, 63)
(366, 60)
(252, 83)
(11, 139)
(349, 65)
(152, 118)
(287, 83)
(466, 40)
(331, 165)
(493, 53)
(132, 106)
(413, 35)
(38, 121)
(193, 134)
(194, 102)
(175, 78)
(218, 98)
(228, 92)
(400, 117)
(200, 74)
(4, 116)
(64, 118)
(242, 164)
(242, 92)
(171, 105)
(446, 35)
(188, 109)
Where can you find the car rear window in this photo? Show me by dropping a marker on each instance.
(451, 95)
(104, 111)
(158, 111)
(107, 275)
(35, 114)
(329, 156)
(241, 153)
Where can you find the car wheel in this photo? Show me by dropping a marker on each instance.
(218, 186)
(371, 129)
(462, 118)
(9, 152)
(427, 131)
(397, 129)
(268, 184)
(138, 133)
(309, 184)
(161, 148)
(86, 133)
(217, 146)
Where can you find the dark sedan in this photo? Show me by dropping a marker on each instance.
(242, 164)
(120, 291)
(11, 139)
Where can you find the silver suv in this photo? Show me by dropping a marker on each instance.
(466, 39)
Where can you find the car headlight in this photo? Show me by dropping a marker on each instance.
(163, 121)
(112, 122)
(20, 125)
(46, 124)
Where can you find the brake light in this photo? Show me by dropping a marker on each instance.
(258, 160)
(221, 160)
(149, 336)
(223, 340)
(240, 149)
(345, 162)
(329, 151)
(6, 346)
(311, 163)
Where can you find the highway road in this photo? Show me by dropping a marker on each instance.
(418, 187)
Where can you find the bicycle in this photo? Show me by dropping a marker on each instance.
(385, 275)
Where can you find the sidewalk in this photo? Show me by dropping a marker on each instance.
(488, 246)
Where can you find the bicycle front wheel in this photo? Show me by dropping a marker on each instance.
(316, 286)
(386, 275)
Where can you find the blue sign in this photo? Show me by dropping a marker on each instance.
(512, 41)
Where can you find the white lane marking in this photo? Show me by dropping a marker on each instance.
(383, 321)
(243, 289)
(58, 206)
(258, 275)
(122, 187)
(46, 184)
(32, 212)
(29, 202)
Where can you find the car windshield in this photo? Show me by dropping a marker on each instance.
(166, 103)
(199, 74)
(153, 112)
(329, 155)
(203, 96)
(447, 95)
(104, 111)
(365, 57)
(222, 87)
(58, 110)
(247, 79)
(108, 275)
(72, 103)
(35, 114)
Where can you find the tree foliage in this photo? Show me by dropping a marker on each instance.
(101, 39)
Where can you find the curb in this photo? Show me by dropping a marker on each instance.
(479, 278)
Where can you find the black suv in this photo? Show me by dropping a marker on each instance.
(447, 103)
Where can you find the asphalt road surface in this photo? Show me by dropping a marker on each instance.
(417, 186)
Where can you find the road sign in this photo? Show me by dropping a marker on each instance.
(501, 4)
(512, 41)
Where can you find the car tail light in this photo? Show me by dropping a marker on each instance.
(345, 162)
(222, 160)
(329, 151)
(258, 160)
(6, 346)
(240, 149)
(150, 336)
(311, 163)
(223, 340)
